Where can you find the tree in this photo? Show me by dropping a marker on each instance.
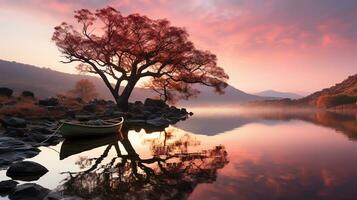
(131, 48)
(84, 89)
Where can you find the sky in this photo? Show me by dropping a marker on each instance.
(287, 45)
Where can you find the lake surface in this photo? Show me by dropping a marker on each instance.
(215, 154)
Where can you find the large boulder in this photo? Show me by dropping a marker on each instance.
(29, 191)
(26, 170)
(48, 102)
(6, 92)
(154, 103)
(14, 122)
(7, 187)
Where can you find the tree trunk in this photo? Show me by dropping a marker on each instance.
(123, 100)
(122, 103)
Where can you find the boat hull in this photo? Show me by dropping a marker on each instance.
(69, 130)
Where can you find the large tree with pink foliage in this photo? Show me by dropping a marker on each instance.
(132, 48)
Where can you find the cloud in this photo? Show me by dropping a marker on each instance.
(300, 34)
(245, 24)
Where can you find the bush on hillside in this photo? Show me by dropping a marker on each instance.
(28, 94)
(328, 101)
(6, 92)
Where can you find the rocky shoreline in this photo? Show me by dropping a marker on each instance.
(22, 131)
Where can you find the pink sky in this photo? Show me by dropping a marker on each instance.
(287, 45)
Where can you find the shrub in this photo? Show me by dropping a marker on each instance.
(28, 94)
(328, 101)
(24, 109)
(6, 92)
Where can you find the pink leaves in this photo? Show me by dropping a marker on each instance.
(135, 46)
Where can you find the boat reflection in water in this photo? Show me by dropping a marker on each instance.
(172, 172)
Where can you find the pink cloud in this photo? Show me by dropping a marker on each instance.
(256, 33)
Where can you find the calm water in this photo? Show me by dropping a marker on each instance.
(216, 154)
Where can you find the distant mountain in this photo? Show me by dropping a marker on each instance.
(45, 82)
(277, 94)
(342, 96)
(231, 96)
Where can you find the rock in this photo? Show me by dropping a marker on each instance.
(79, 99)
(4, 162)
(6, 187)
(15, 150)
(6, 92)
(183, 111)
(48, 102)
(15, 132)
(133, 122)
(154, 103)
(159, 122)
(28, 94)
(118, 114)
(137, 116)
(29, 191)
(72, 198)
(14, 122)
(155, 115)
(138, 103)
(35, 137)
(42, 129)
(90, 107)
(26, 170)
(70, 113)
(85, 117)
(53, 196)
(99, 102)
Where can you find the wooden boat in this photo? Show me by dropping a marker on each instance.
(81, 129)
(75, 146)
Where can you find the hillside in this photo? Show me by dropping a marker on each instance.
(45, 82)
(342, 96)
(339, 94)
(277, 94)
(347, 87)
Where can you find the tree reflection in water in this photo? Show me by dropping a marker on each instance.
(171, 173)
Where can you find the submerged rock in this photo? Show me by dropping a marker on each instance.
(12, 150)
(29, 191)
(8, 186)
(26, 170)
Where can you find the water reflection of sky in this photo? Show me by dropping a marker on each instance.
(271, 156)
